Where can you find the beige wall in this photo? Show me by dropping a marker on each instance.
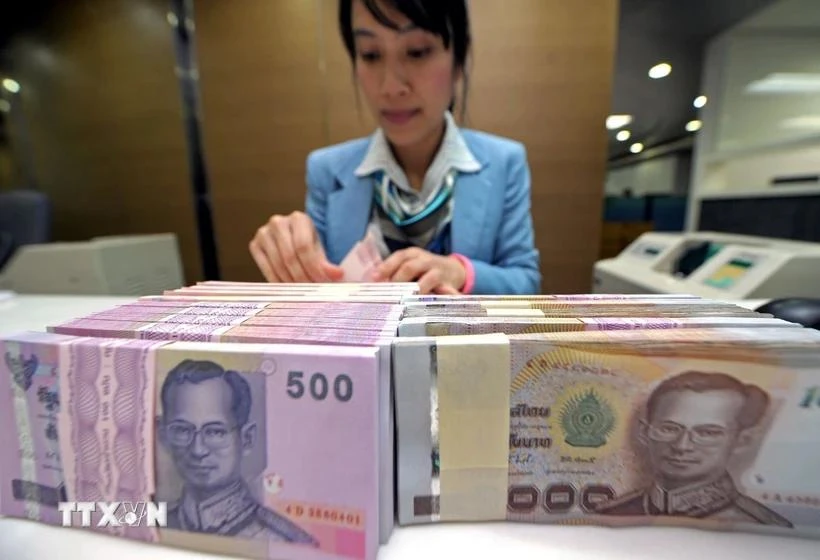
(262, 113)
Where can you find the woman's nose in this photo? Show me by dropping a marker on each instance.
(394, 81)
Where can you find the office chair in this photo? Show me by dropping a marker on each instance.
(25, 219)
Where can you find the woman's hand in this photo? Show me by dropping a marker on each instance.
(288, 249)
(434, 273)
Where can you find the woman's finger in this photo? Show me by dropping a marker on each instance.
(429, 281)
(411, 269)
(283, 236)
(306, 247)
(262, 261)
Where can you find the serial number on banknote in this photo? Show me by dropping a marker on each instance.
(325, 514)
(793, 500)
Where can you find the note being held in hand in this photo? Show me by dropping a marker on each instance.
(362, 260)
(287, 249)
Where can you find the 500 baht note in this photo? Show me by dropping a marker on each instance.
(269, 451)
(76, 413)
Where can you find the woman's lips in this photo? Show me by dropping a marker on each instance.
(400, 117)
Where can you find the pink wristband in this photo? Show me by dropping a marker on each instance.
(469, 280)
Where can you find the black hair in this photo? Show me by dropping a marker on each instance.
(193, 371)
(447, 19)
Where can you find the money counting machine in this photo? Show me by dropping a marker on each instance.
(128, 265)
(713, 265)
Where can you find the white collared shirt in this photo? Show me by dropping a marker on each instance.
(453, 154)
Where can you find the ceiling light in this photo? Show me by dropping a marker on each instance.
(623, 135)
(694, 126)
(11, 85)
(636, 148)
(700, 101)
(614, 122)
(661, 70)
(785, 82)
(5, 106)
(172, 19)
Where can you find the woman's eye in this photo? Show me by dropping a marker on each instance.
(369, 56)
(419, 53)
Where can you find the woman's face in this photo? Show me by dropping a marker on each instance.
(407, 76)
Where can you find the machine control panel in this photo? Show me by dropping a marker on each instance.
(647, 249)
(733, 271)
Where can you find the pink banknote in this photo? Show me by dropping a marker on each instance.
(353, 323)
(283, 309)
(234, 439)
(221, 333)
(361, 262)
(78, 419)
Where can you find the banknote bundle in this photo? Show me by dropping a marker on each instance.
(289, 338)
(292, 315)
(235, 440)
(267, 415)
(460, 326)
(708, 427)
(573, 307)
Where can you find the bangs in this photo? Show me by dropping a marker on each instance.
(429, 15)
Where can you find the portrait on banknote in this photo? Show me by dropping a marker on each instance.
(692, 426)
(209, 434)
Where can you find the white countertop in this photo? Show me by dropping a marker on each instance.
(26, 540)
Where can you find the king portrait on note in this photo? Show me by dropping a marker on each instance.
(206, 428)
(694, 423)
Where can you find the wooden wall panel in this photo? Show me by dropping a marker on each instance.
(102, 105)
(262, 114)
(346, 117)
(541, 74)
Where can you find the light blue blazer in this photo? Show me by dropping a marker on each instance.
(492, 223)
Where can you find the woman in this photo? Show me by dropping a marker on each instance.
(450, 208)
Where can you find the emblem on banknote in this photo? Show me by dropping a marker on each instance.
(587, 420)
(22, 370)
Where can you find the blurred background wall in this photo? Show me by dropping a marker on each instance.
(276, 82)
(99, 123)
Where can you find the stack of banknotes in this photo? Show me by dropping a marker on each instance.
(268, 417)
(606, 410)
(263, 421)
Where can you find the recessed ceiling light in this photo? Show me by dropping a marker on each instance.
(694, 126)
(661, 70)
(700, 101)
(636, 148)
(11, 85)
(172, 19)
(623, 135)
(614, 122)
